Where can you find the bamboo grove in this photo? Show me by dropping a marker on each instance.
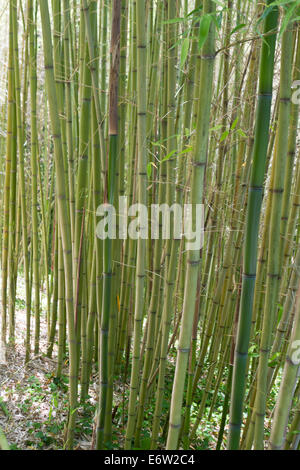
(161, 102)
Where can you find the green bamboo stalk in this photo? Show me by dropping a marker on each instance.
(110, 190)
(252, 226)
(273, 268)
(63, 212)
(197, 188)
(287, 387)
(34, 183)
(142, 199)
(20, 136)
(6, 189)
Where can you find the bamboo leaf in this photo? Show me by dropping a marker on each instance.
(184, 51)
(234, 124)
(149, 168)
(238, 28)
(241, 133)
(174, 20)
(204, 29)
(224, 136)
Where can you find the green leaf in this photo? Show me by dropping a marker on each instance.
(273, 360)
(196, 10)
(277, 354)
(184, 51)
(281, 2)
(237, 28)
(159, 143)
(167, 157)
(241, 133)
(149, 170)
(216, 128)
(174, 20)
(183, 152)
(204, 29)
(287, 17)
(233, 126)
(187, 150)
(224, 136)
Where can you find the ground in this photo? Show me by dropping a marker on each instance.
(33, 403)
